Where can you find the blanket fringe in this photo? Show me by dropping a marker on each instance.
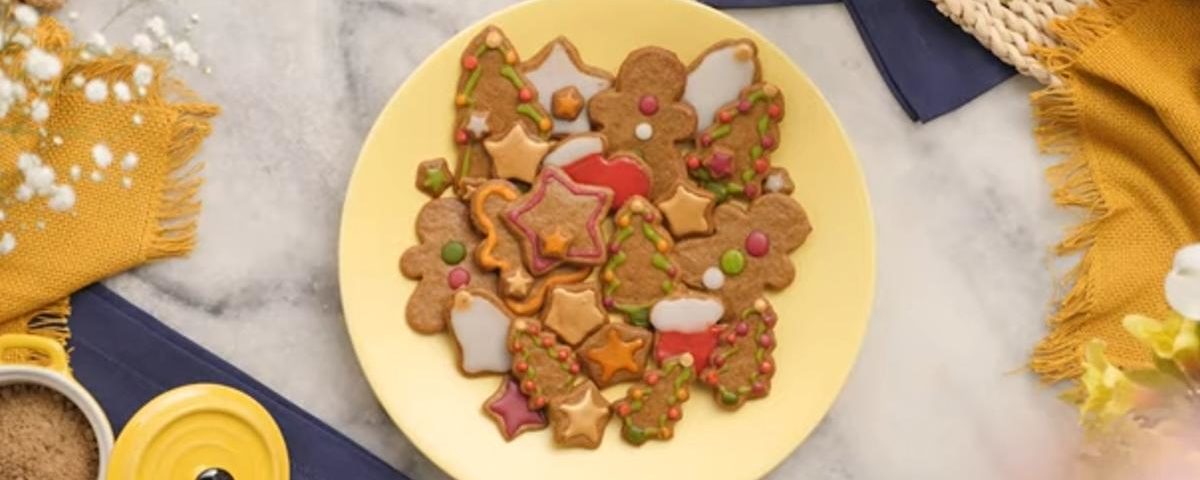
(1057, 357)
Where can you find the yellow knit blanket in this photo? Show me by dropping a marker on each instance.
(127, 159)
(1128, 116)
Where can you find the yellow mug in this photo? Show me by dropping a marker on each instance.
(57, 376)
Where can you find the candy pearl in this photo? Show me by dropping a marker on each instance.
(614, 248)
(757, 243)
(766, 368)
(693, 162)
(773, 111)
(765, 340)
(743, 106)
(562, 354)
(521, 367)
(649, 217)
(672, 271)
(544, 124)
(761, 165)
(574, 368)
(751, 191)
(609, 276)
(730, 338)
(528, 386)
(517, 347)
(547, 342)
(524, 94)
(635, 393)
(705, 140)
(724, 116)
(664, 432)
(623, 409)
(643, 131)
(651, 378)
(713, 278)
(539, 401)
(759, 389)
(458, 278)
(469, 62)
(760, 305)
(742, 329)
(609, 303)
(716, 360)
(510, 57)
(662, 246)
(460, 100)
(681, 394)
(493, 39)
(660, 355)
(711, 378)
(534, 329)
(768, 142)
(673, 413)
(460, 137)
(648, 105)
(769, 320)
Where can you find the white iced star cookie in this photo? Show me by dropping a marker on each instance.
(564, 85)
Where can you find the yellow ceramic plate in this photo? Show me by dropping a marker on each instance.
(822, 315)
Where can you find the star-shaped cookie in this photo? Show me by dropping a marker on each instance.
(615, 353)
(509, 408)
(580, 416)
(574, 311)
(688, 211)
(559, 221)
(517, 155)
(558, 68)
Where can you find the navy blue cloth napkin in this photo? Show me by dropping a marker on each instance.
(125, 357)
(931, 65)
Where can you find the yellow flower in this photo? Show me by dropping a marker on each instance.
(1110, 394)
(1173, 339)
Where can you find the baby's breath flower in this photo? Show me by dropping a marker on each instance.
(96, 90)
(41, 65)
(121, 91)
(26, 15)
(102, 155)
(39, 111)
(143, 75)
(185, 54)
(142, 44)
(8, 243)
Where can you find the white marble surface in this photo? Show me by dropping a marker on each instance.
(963, 212)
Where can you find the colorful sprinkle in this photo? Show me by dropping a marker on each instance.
(458, 277)
(648, 105)
(757, 243)
(733, 262)
(453, 252)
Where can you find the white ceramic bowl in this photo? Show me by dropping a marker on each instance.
(57, 376)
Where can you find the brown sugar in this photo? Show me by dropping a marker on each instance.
(44, 436)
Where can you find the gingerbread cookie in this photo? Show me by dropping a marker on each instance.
(434, 177)
(574, 312)
(509, 408)
(493, 98)
(749, 251)
(688, 210)
(547, 369)
(440, 261)
(565, 84)
(643, 113)
(583, 158)
(580, 417)
(516, 155)
(718, 74)
(500, 251)
(480, 325)
(640, 269)
(558, 222)
(651, 408)
(616, 353)
(741, 367)
(686, 323)
(733, 155)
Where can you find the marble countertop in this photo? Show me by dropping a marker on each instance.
(963, 212)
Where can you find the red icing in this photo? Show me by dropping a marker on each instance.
(458, 278)
(757, 243)
(724, 116)
(624, 175)
(460, 137)
(512, 408)
(761, 165)
(693, 162)
(524, 94)
(700, 345)
(648, 105)
(768, 142)
(470, 62)
(773, 111)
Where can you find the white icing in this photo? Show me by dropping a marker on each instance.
(774, 183)
(477, 124)
(481, 330)
(713, 278)
(1182, 284)
(572, 149)
(557, 72)
(686, 315)
(643, 131)
(717, 81)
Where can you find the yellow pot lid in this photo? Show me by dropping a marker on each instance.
(200, 431)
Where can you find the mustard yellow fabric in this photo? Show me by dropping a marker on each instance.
(1128, 117)
(113, 227)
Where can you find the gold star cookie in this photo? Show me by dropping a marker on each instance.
(574, 312)
(579, 417)
(517, 155)
(688, 211)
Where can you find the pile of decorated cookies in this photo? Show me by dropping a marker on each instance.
(602, 230)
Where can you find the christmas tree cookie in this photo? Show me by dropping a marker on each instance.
(545, 368)
(651, 407)
(732, 156)
(640, 269)
(493, 98)
(741, 367)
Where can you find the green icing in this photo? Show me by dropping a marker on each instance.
(508, 72)
(660, 262)
(756, 152)
(721, 131)
(435, 179)
(472, 81)
(747, 174)
(728, 397)
(763, 123)
(453, 252)
(668, 286)
(733, 262)
(639, 316)
(528, 111)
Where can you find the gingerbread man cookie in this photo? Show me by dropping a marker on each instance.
(480, 326)
(640, 268)
(733, 155)
(718, 74)
(580, 417)
(644, 113)
(558, 222)
(652, 407)
(749, 251)
(616, 353)
(500, 251)
(547, 369)
(509, 408)
(565, 84)
(441, 262)
(493, 98)
(741, 367)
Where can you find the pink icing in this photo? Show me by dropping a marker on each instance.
(513, 409)
(540, 263)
